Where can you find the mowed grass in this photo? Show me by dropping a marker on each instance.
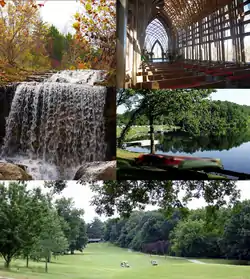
(136, 131)
(102, 261)
(125, 154)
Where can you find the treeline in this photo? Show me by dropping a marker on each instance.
(197, 116)
(95, 229)
(32, 226)
(224, 233)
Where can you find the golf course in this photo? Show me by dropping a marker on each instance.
(102, 260)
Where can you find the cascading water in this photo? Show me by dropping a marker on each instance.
(57, 125)
(78, 76)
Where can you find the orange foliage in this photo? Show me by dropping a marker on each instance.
(2, 3)
(97, 25)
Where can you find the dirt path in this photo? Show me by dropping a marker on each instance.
(190, 260)
(196, 261)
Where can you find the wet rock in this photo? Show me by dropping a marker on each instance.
(6, 95)
(97, 171)
(13, 172)
(25, 168)
(110, 123)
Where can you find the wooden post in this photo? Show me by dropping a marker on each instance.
(241, 34)
(136, 43)
(222, 20)
(121, 28)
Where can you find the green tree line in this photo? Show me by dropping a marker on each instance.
(193, 234)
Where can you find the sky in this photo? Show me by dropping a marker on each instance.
(238, 96)
(60, 13)
(82, 196)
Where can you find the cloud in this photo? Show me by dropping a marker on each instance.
(60, 13)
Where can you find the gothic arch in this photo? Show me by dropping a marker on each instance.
(156, 31)
(155, 43)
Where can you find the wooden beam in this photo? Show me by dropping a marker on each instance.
(121, 28)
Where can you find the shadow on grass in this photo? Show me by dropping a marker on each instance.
(16, 268)
(12, 270)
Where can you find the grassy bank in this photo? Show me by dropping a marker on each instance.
(102, 261)
(137, 131)
(126, 155)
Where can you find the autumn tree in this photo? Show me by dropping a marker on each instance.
(75, 55)
(96, 25)
(37, 56)
(17, 21)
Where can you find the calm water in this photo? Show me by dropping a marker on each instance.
(234, 151)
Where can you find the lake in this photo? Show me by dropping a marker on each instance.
(233, 150)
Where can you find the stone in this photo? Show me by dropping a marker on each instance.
(97, 171)
(13, 172)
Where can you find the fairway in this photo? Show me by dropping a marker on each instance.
(102, 261)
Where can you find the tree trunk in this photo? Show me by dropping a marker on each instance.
(46, 265)
(27, 261)
(130, 123)
(7, 261)
(7, 264)
(152, 135)
(72, 252)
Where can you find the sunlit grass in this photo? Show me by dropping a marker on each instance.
(124, 154)
(102, 261)
(137, 131)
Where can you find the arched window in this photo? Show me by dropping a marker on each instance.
(156, 38)
(157, 50)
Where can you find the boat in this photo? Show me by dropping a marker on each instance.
(180, 162)
(161, 167)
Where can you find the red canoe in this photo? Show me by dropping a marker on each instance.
(168, 160)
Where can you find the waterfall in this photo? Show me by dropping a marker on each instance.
(57, 124)
(78, 76)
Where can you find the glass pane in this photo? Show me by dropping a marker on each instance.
(247, 48)
(228, 47)
(156, 32)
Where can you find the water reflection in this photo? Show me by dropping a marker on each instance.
(184, 143)
(233, 149)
